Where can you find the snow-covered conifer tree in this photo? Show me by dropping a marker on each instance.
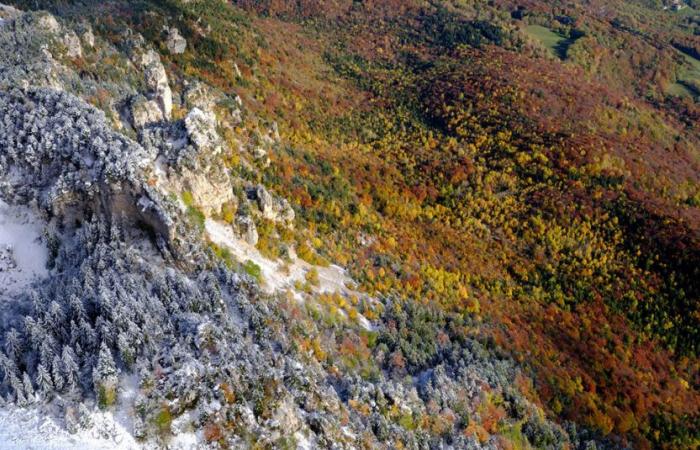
(56, 373)
(43, 380)
(104, 377)
(70, 367)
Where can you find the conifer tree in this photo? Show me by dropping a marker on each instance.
(70, 367)
(104, 377)
(43, 380)
(28, 387)
(56, 374)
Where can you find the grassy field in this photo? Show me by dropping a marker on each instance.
(693, 72)
(690, 74)
(556, 42)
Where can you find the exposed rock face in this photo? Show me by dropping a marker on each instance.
(276, 210)
(145, 112)
(99, 172)
(134, 280)
(200, 96)
(209, 190)
(201, 130)
(157, 81)
(86, 35)
(189, 162)
(175, 42)
(247, 230)
(48, 23)
(72, 43)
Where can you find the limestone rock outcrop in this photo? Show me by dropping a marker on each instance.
(271, 208)
(155, 76)
(145, 112)
(175, 42)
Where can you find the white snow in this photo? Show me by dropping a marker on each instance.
(31, 429)
(36, 428)
(185, 435)
(23, 252)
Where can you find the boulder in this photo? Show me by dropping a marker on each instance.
(276, 210)
(86, 35)
(175, 42)
(199, 95)
(287, 418)
(48, 23)
(201, 130)
(157, 81)
(260, 155)
(266, 203)
(145, 112)
(247, 230)
(286, 212)
(72, 43)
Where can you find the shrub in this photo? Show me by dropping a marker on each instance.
(253, 270)
(187, 198)
(163, 420)
(312, 277)
(106, 395)
(228, 212)
(196, 216)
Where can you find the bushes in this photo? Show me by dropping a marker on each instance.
(253, 270)
(311, 277)
(306, 253)
(106, 395)
(223, 253)
(228, 212)
(163, 419)
(196, 217)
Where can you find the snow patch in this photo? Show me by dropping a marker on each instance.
(37, 428)
(32, 429)
(23, 252)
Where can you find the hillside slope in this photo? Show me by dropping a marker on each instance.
(350, 224)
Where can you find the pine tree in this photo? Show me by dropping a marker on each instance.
(56, 373)
(28, 387)
(18, 389)
(46, 353)
(13, 345)
(43, 380)
(7, 367)
(87, 335)
(104, 377)
(76, 308)
(70, 367)
(125, 349)
(55, 316)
